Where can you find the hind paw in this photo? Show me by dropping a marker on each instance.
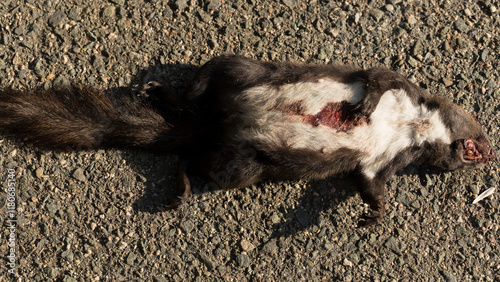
(173, 203)
(370, 219)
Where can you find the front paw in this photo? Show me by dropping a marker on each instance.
(363, 110)
(148, 89)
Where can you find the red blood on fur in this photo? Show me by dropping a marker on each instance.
(334, 115)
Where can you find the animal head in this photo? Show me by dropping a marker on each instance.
(470, 147)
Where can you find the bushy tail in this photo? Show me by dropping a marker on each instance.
(80, 118)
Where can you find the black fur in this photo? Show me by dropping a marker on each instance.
(200, 126)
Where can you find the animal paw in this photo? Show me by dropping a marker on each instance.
(363, 110)
(370, 219)
(173, 203)
(146, 90)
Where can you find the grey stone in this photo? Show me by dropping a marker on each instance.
(448, 277)
(207, 261)
(377, 14)
(412, 62)
(496, 94)
(108, 12)
(418, 48)
(69, 279)
(61, 81)
(187, 226)
(461, 26)
(275, 219)
(51, 272)
(484, 54)
(243, 260)
(75, 13)
(67, 255)
(79, 175)
(302, 217)
(291, 3)
(270, 246)
(52, 206)
(118, 2)
(392, 245)
(19, 30)
(398, 32)
(462, 43)
(56, 18)
(411, 20)
(213, 4)
(212, 43)
(130, 260)
(181, 4)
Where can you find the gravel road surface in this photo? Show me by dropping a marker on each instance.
(93, 215)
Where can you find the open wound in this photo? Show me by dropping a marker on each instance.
(336, 115)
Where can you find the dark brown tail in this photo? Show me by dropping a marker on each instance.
(80, 118)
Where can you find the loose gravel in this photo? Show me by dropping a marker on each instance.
(94, 216)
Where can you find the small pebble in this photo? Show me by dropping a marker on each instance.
(246, 245)
(377, 14)
(461, 26)
(39, 172)
(270, 247)
(187, 226)
(79, 175)
(347, 263)
(447, 82)
(412, 20)
(243, 260)
(356, 17)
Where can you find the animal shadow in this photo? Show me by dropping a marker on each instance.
(156, 171)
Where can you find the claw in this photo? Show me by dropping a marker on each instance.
(370, 219)
(146, 89)
(373, 217)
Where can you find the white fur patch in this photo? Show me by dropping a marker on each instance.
(314, 95)
(395, 125)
